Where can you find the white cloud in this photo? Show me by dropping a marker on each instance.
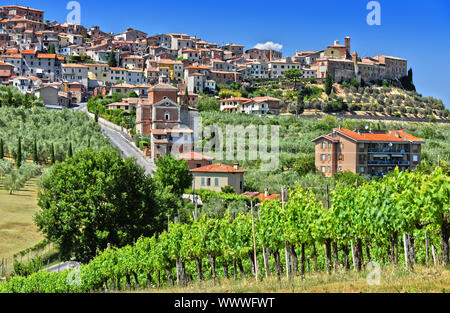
(269, 46)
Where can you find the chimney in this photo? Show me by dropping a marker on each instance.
(236, 166)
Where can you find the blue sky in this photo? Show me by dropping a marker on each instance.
(416, 30)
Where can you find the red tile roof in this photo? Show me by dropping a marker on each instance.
(389, 136)
(194, 156)
(46, 56)
(217, 168)
(262, 197)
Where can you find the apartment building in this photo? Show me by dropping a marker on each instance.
(76, 73)
(367, 152)
(277, 68)
(11, 11)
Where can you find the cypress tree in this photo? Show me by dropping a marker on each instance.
(89, 143)
(2, 153)
(52, 155)
(70, 153)
(35, 153)
(186, 97)
(19, 153)
(112, 62)
(328, 84)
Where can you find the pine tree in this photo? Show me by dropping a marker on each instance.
(70, 152)
(19, 153)
(328, 84)
(2, 153)
(35, 153)
(52, 155)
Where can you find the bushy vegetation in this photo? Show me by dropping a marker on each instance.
(57, 128)
(360, 224)
(16, 179)
(297, 151)
(99, 106)
(12, 97)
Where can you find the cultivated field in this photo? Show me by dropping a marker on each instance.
(17, 229)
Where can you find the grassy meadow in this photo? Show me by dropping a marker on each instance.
(17, 229)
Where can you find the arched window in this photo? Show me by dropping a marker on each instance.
(167, 116)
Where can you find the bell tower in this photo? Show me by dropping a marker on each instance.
(348, 45)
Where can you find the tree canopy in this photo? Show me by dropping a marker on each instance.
(96, 198)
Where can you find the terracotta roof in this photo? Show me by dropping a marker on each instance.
(194, 156)
(262, 197)
(12, 56)
(159, 132)
(326, 137)
(235, 99)
(164, 87)
(389, 136)
(217, 168)
(46, 56)
(72, 65)
(28, 52)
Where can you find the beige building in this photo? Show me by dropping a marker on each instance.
(367, 152)
(215, 177)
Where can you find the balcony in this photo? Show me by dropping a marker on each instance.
(388, 150)
(388, 163)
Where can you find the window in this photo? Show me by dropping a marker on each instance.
(324, 144)
(329, 157)
(216, 182)
(167, 117)
(341, 145)
(208, 182)
(340, 168)
(361, 146)
(324, 169)
(361, 169)
(203, 181)
(323, 157)
(415, 158)
(329, 145)
(329, 169)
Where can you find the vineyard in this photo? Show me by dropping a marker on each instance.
(401, 220)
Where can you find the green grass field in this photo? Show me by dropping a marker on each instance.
(420, 280)
(17, 228)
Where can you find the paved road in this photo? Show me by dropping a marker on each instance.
(127, 150)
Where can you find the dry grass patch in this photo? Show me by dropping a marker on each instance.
(17, 228)
(421, 280)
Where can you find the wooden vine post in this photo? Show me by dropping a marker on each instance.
(254, 242)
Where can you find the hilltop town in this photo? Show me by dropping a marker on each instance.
(77, 62)
(154, 86)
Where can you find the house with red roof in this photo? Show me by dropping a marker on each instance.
(367, 152)
(216, 176)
